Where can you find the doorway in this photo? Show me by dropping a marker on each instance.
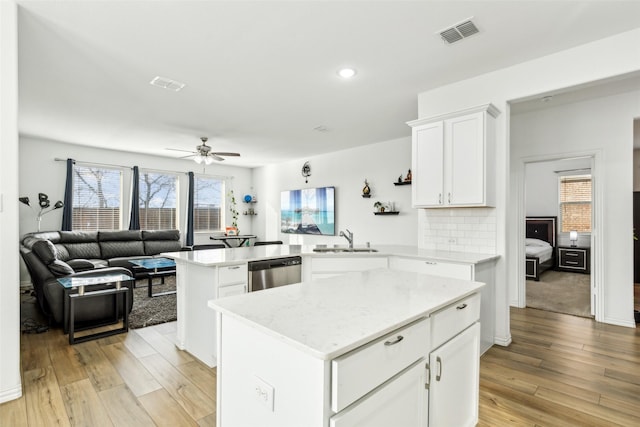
(562, 189)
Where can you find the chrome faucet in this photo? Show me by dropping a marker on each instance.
(349, 236)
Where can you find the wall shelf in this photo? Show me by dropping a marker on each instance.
(402, 183)
(387, 213)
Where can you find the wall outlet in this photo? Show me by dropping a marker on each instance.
(263, 392)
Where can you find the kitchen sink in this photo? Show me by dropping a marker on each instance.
(340, 250)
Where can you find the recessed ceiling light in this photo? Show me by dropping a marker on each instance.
(347, 73)
(166, 83)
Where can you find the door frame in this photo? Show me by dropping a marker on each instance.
(597, 264)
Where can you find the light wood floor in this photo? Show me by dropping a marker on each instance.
(560, 370)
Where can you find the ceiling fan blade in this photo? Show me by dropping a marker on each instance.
(177, 149)
(216, 157)
(187, 156)
(226, 154)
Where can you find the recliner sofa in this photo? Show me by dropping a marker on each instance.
(50, 255)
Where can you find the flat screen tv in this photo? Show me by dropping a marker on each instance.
(308, 211)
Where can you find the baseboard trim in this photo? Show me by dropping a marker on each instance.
(504, 342)
(620, 322)
(11, 394)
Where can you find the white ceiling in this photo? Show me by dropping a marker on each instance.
(261, 75)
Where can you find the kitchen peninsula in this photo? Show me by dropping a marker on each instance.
(376, 348)
(209, 274)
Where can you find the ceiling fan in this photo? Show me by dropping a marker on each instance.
(203, 153)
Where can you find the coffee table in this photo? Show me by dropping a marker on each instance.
(153, 267)
(82, 285)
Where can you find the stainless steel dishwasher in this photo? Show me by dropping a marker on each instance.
(274, 272)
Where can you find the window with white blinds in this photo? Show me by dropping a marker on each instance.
(208, 204)
(97, 198)
(575, 203)
(158, 200)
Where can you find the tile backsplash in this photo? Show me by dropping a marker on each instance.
(459, 229)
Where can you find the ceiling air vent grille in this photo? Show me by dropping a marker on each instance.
(459, 31)
(168, 84)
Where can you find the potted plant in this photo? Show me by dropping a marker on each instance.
(379, 206)
(233, 210)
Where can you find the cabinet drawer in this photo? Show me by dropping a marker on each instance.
(363, 369)
(320, 265)
(232, 274)
(453, 319)
(572, 258)
(437, 268)
(230, 290)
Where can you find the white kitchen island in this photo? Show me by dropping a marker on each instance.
(208, 274)
(373, 348)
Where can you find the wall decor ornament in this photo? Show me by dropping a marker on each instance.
(366, 190)
(306, 172)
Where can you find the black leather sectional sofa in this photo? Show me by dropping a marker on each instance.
(53, 254)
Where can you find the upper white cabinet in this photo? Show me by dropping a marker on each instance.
(453, 159)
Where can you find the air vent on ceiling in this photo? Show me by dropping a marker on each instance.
(459, 31)
(166, 83)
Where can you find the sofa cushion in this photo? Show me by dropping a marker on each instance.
(45, 250)
(121, 249)
(119, 235)
(62, 252)
(154, 247)
(81, 264)
(83, 250)
(60, 268)
(161, 235)
(78, 236)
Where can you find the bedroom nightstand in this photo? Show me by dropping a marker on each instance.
(576, 260)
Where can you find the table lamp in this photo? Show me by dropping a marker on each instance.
(573, 236)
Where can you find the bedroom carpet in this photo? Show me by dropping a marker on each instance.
(561, 292)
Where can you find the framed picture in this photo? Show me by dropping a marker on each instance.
(232, 231)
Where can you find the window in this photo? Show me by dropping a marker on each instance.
(575, 203)
(208, 204)
(97, 195)
(158, 201)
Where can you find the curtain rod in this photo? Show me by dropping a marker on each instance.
(57, 159)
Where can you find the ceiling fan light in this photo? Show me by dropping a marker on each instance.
(198, 159)
(208, 160)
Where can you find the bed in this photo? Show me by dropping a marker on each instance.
(540, 245)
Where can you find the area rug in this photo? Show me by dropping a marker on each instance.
(153, 311)
(561, 292)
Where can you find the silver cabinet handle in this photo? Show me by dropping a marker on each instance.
(449, 197)
(396, 341)
(461, 307)
(431, 263)
(439, 198)
(572, 262)
(426, 385)
(439, 374)
(571, 254)
(235, 267)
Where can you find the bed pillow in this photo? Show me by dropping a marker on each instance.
(536, 242)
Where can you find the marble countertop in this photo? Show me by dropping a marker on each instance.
(329, 317)
(215, 257)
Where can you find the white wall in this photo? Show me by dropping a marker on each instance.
(541, 184)
(617, 55)
(10, 385)
(40, 173)
(379, 163)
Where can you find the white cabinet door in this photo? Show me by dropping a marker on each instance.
(400, 402)
(455, 380)
(428, 164)
(465, 160)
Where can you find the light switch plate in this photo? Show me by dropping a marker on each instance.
(264, 392)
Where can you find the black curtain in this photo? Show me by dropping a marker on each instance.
(134, 220)
(189, 238)
(67, 210)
